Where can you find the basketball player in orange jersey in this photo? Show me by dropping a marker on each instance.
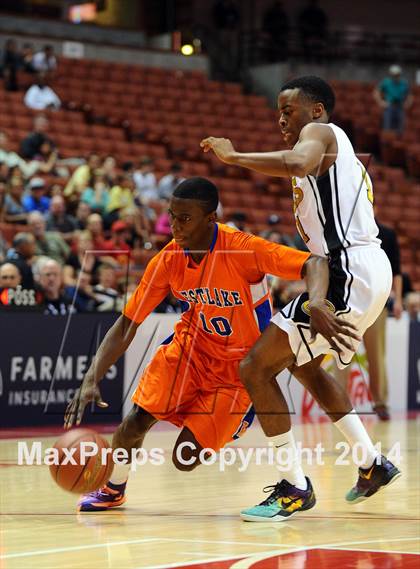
(333, 206)
(218, 274)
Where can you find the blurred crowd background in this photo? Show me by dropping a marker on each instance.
(91, 149)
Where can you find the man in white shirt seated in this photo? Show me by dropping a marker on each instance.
(45, 60)
(40, 97)
(145, 180)
(168, 183)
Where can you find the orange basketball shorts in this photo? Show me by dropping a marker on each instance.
(190, 389)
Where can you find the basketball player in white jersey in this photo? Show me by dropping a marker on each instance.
(332, 201)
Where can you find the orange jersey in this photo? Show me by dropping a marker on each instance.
(225, 298)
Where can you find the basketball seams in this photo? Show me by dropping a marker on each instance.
(99, 473)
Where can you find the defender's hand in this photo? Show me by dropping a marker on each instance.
(323, 321)
(88, 392)
(222, 147)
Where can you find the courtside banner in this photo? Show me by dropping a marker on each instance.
(413, 401)
(43, 360)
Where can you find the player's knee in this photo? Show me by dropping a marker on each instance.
(250, 369)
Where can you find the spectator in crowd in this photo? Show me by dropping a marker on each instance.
(12, 160)
(48, 243)
(226, 18)
(82, 293)
(22, 255)
(313, 28)
(276, 26)
(96, 229)
(83, 212)
(46, 159)
(58, 220)
(121, 198)
(14, 208)
(109, 167)
(3, 190)
(82, 178)
(97, 196)
(44, 61)
(10, 65)
(392, 94)
(412, 305)
(83, 258)
(237, 220)
(10, 276)
(274, 231)
(105, 291)
(40, 96)
(163, 224)
(168, 183)
(32, 144)
(36, 200)
(27, 57)
(138, 228)
(117, 246)
(49, 276)
(145, 181)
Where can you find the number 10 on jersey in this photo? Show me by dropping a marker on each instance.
(216, 325)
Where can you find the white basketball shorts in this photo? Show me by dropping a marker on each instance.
(360, 284)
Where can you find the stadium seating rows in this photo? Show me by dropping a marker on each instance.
(129, 111)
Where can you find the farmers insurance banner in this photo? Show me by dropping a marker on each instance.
(43, 359)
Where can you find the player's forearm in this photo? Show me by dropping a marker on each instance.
(283, 163)
(113, 346)
(317, 278)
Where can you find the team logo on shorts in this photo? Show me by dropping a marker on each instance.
(307, 310)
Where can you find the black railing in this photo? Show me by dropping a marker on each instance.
(257, 47)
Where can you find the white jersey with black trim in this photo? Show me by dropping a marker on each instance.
(335, 211)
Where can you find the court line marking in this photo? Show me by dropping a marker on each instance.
(76, 548)
(176, 540)
(378, 550)
(201, 561)
(220, 542)
(248, 562)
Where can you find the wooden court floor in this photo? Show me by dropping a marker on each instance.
(175, 519)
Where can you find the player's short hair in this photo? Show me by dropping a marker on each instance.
(200, 189)
(315, 89)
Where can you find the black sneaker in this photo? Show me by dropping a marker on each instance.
(373, 479)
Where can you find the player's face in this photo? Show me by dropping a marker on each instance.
(190, 226)
(295, 112)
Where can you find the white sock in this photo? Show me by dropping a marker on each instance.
(120, 473)
(294, 474)
(353, 429)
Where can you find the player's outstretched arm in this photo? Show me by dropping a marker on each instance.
(322, 319)
(306, 156)
(113, 346)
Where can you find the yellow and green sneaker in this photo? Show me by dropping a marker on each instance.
(284, 502)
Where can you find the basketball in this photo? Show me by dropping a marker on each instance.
(81, 466)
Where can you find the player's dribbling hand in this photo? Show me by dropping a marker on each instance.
(334, 329)
(222, 147)
(87, 393)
